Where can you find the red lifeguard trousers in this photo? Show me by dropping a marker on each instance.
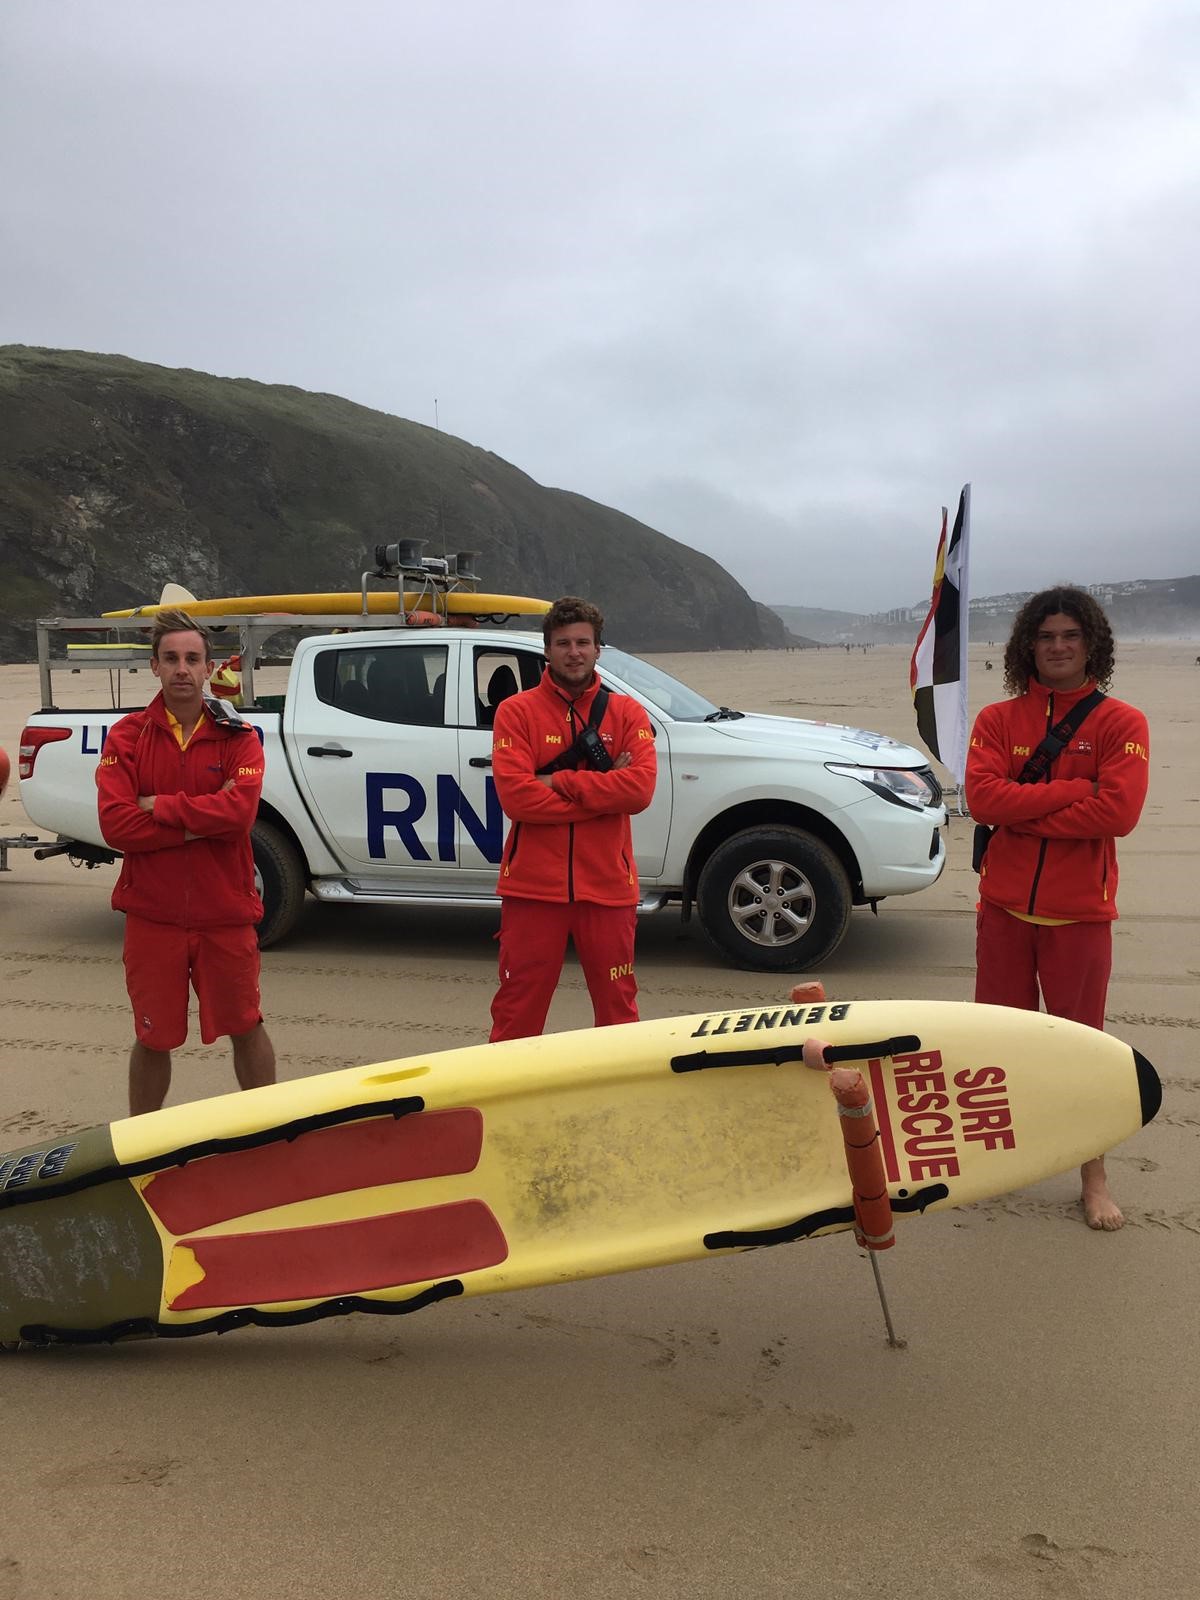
(1071, 963)
(533, 944)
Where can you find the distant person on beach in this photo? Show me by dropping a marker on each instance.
(1048, 880)
(572, 762)
(179, 786)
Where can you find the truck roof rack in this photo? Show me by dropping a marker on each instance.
(120, 645)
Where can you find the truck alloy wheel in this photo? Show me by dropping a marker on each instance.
(774, 899)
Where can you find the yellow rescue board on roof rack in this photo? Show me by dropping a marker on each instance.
(94, 649)
(502, 1166)
(455, 603)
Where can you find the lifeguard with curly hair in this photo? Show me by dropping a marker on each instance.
(1048, 883)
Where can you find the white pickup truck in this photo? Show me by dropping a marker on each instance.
(378, 790)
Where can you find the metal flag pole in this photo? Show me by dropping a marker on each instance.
(896, 1344)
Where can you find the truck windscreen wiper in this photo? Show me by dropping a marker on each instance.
(724, 714)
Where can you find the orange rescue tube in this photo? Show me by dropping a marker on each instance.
(864, 1158)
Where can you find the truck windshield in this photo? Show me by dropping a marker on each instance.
(672, 698)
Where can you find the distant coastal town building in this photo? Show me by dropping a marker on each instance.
(1137, 608)
(1003, 605)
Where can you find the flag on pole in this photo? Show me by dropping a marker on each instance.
(938, 673)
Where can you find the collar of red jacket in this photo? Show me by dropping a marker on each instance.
(1064, 699)
(582, 706)
(156, 711)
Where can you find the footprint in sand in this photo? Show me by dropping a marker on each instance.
(648, 1560)
(823, 1428)
(1067, 1572)
(373, 1357)
(116, 1468)
(770, 1359)
(657, 1352)
(1139, 1163)
(758, 1420)
(21, 1122)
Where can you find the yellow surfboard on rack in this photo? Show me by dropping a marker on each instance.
(386, 1188)
(455, 603)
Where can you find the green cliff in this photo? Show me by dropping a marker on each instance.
(117, 476)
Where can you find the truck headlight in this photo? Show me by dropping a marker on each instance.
(903, 786)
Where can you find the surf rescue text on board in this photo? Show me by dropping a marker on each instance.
(928, 1106)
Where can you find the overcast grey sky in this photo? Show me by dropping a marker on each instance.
(775, 278)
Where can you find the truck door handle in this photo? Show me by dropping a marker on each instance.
(329, 750)
(480, 761)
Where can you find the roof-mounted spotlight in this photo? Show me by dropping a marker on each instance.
(404, 555)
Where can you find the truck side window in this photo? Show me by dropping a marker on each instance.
(499, 673)
(389, 684)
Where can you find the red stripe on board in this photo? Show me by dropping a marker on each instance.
(254, 1269)
(356, 1155)
(884, 1118)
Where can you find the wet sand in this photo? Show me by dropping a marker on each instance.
(729, 1427)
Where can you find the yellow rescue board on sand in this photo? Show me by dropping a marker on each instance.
(456, 603)
(386, 1188)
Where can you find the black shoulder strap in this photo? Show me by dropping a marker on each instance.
(571, 757)
(224, 715)
(1059, 737)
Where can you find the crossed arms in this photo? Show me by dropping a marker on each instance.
(1107, 806)
(571, 796)
(134, 822)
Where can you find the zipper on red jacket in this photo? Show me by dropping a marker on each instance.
(189, 857)
(1037, 873)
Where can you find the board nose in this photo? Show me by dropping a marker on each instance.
(1149, 1088)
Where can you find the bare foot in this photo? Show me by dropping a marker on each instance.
(1099, 1207)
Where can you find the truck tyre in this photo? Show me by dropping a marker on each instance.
(279, 878)
(774, 899)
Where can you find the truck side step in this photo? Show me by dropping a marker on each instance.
(373, 892)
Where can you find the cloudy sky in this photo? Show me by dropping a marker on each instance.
(775, 278)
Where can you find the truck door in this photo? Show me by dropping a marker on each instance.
(488, 674)
(372, 740)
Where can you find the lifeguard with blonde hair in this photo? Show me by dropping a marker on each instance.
(179, 785)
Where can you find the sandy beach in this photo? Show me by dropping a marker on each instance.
(732, 1427)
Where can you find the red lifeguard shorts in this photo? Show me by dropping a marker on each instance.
(221, 964)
